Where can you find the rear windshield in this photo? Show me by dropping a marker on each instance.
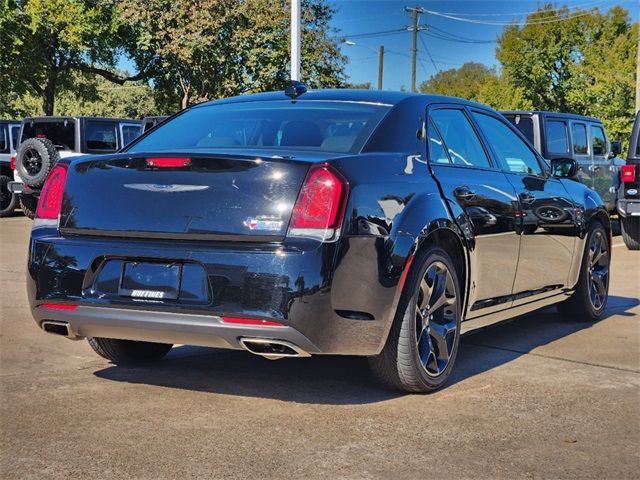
(311, 125)
(61, 133)
(524, 124)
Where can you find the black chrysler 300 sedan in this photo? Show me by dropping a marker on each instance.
(335, 222)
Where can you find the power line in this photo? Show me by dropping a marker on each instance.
(516, 14)
(541, 21)
(426, 49)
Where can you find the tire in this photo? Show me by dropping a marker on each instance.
(128, 352)
(8, 200)
(631, 232)
(401, 365)
(582, 305)
(29, 205)
(35, 159)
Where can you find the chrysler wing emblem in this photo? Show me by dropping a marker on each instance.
(165, 188)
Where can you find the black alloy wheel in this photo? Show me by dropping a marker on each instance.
(422, 346)
(32, 161)
(598, 269)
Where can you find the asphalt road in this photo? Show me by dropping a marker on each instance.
(540, 397)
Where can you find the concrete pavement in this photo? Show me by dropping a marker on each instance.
(540, 397)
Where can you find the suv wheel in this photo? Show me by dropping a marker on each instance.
(588, 301)
(29, 205)
(423, 343)
(631, 232)
(7, 199)
(128, 352)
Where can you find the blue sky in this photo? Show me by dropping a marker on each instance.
(360, 17)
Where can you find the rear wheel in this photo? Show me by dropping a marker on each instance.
(29, 205)
(631, 232)
(7, 199)
(128, 352)
(588, 301)
(423, 343)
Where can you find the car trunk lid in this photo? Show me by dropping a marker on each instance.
(182, 196)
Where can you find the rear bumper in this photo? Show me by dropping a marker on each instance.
(336, 298)
(628, 207)
(165, 327)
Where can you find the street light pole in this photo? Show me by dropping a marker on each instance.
(295, 40)
(380, 51)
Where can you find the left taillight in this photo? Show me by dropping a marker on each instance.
(50, 203)
(12, 162)
(319, 209)
(628, 174)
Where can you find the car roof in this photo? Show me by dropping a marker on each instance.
(545, 113)
(10, 122)
(346, 95)
(70, 117)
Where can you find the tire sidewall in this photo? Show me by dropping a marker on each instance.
(432, 255)
(48, 155)
(11, 206)
(584, 283)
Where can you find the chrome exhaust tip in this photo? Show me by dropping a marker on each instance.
(56, 327)
(272, 349)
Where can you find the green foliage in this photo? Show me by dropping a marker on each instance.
(358, 86)
(583, 64)
(463, 82)
(196, 51)
(49, 40)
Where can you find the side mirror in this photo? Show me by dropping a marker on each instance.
(616, 149)
(564, 167)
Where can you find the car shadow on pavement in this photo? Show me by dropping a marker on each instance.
(343, 380)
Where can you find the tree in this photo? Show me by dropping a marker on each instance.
(49, 40)
(206, 49)
(464, 82)
(574, 61)
(358, 86)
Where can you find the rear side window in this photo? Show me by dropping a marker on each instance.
(101, 136)
(437, 152)
(580, 146)
(524, 124)
(61, 133)
(462, 143)
(15, 133)
(129, 133)
(4, 139)
(598, 140)
(556, 133)
(513, 153)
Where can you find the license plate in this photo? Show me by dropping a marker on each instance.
(152, 281)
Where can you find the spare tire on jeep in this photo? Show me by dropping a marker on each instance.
(35, 159)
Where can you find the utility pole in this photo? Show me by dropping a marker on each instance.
(381, 66)
(295, 40)
(415, 11)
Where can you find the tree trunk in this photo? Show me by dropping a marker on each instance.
(184, 103)
(48, 96)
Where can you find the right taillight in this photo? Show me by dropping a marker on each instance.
(50, 202)
(319, 209)
(628, 174)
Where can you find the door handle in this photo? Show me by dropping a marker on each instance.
(527, 198)
(464, 193)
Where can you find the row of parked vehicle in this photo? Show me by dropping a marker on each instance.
(30, 148)
(44, 140)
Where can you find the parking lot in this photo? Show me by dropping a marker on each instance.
(537, 397)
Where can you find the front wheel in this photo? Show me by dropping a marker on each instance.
(423, 343)
(589, 299)
(128, 352)
(630, 227)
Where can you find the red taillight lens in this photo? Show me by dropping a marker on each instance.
(251, 321)
(168, 162)
(50, 202)
(58, 306)
(628, 173)
(12, 163)
(319, 209)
